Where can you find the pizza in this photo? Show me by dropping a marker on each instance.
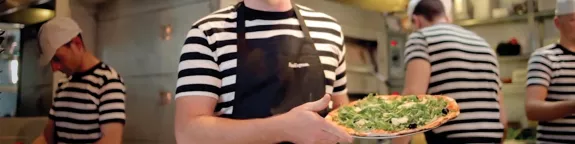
(393, 115)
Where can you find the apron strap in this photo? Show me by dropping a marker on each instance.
(301, 21)
(241, 26)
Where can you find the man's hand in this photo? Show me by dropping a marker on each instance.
(304, 125)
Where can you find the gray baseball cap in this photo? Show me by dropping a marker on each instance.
(54, 34)
(564, 7)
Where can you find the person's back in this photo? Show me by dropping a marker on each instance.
(446, 59)
(464, 67)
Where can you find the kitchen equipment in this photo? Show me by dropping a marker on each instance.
(482, 9)
(519, 76)
(546, 5)
(511, 48)
(396, 67)
(500, 12)
(460, 9)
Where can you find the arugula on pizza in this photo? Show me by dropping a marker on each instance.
(392, 115)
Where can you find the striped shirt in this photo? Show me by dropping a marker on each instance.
(553, 66)
(464, 67)
(85, 102)
(209, 56)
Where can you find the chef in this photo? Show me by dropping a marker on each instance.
(551, 83)
(261, 71)
(89, 106)
(445, 59)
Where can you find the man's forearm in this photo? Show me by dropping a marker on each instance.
(215, 130)
(339, 100)
(48, 133)
(546, 111)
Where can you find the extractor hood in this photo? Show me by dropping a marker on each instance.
(378, 5)
(11, 6)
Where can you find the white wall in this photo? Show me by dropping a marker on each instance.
(85, 15)
(129, 39)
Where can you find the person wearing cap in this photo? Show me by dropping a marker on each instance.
(445, 59)
(261, 71)
(88, 106)
(551, 84)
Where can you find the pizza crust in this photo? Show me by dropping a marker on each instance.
(451, 105)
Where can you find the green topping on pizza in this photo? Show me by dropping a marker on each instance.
(407, 112)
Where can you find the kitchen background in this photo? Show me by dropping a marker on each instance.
(142, 40)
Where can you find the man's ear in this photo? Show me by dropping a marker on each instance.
(557, 22)
(416, 21)
(77, 42)
(448, 18)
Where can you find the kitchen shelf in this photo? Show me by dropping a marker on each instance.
(513, 58)
(512, 18)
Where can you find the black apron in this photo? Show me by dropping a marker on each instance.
(275, 75)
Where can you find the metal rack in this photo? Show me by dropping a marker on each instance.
(514, 18)
(534, 20)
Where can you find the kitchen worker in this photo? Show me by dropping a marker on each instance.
(551, 83)
(445, 59)
(261, 71)
(89, 105)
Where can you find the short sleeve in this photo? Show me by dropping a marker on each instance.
(415, 48)
(112, 106)
(339, 86)
(539, 70)
(198, 72)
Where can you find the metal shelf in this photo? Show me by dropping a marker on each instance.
(512, 18)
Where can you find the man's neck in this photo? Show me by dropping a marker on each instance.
(570, 45)
(88, 62)
(439, 21)
(269, 5)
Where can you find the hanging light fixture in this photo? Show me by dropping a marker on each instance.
(30, 16)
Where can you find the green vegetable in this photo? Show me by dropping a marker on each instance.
(375, 113)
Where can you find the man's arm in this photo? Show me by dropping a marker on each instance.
(538, 80)
(340, 96)
(111, 133)
(418, 72)
(417, 77)
(502, 113)
(540, 110)
(196, 124)
(48, 134)
(112, 111)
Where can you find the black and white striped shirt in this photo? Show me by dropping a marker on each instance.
(553, 66)
(464, 67)
(208, 59)
(85, 102)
